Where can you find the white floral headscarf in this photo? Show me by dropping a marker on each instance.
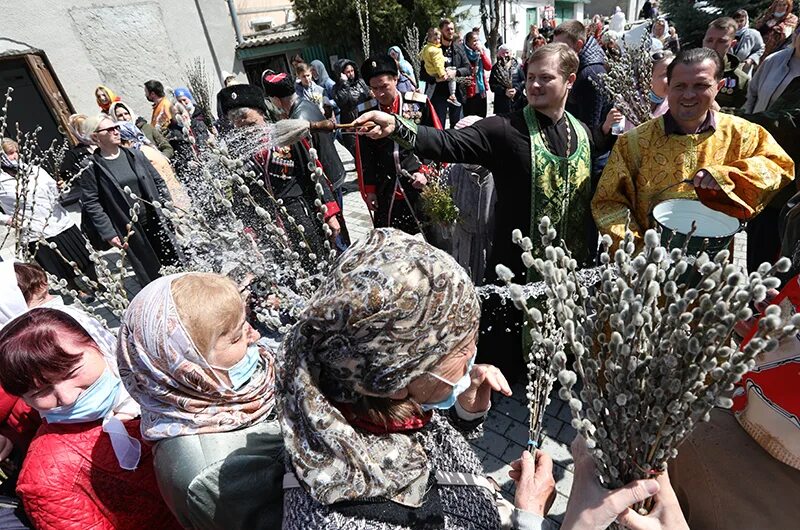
(178, 391)
(390, 310)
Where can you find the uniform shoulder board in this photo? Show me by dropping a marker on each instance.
(416, 97)
(367, 105)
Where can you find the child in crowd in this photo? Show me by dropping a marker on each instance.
(434, 60)
(306, 88)
(206, 384)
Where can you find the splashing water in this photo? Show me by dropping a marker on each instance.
(233, 225)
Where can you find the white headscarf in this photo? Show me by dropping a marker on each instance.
(12, 303)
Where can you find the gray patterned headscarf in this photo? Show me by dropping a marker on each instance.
(390, 310)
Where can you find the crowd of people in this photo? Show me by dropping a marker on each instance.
(193, 415)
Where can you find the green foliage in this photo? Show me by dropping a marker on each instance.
(334, 22)
(438, 203)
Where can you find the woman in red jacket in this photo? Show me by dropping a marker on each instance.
(86, 467)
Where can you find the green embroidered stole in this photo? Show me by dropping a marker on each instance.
(561, 188)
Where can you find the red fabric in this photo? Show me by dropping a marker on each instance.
(18, 422)
(70, 480)
(413, 423)
(778, 384)
(435, 117)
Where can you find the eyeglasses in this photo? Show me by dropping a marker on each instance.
(657, 56)
(110, 130)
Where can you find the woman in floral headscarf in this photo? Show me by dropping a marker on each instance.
(205, 383)
(389, 337)
(776, 25)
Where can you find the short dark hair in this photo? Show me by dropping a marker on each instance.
(30, 349)
(696, 56)
(155, 87)
(444, 22)
(31, 279)
(724, 23)
(470, 36)
(741, 14)
(573, 29)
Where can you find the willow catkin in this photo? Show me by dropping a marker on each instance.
(652, 352)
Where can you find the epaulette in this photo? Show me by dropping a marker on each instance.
(415, 97)
(367, 105)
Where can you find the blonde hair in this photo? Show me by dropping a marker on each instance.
(8, 142)
(432, 34)
(76, 123)
(209, 306)
(91, 123)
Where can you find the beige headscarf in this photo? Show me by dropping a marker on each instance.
(178, 391)
(389, 311)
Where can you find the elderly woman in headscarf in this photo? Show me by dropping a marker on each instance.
(321, 77)
(122, 112)
(86, 466)
(377, 386)
(776, 26)
(196, 118)
(133, 138)
(206, 385)
(506, 80)
(403, 65)
(104, 97)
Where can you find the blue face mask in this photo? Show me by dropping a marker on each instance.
(654, 98)
(94, 403)
(458, 388)
(241, 372)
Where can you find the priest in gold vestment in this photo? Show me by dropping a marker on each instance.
(691, 152)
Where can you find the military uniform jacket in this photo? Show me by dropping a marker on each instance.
(733, 93)
(379, 162)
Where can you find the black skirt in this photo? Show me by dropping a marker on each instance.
(72, 245)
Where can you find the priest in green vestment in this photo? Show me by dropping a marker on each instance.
(540, 158)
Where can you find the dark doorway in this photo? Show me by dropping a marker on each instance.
(254, 68)
(28, 107)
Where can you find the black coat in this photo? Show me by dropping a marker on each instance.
(349, 94)
(586, 101)
(502, 104)
(323, 141)
(108, 209)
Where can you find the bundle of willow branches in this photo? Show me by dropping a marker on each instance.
(411, 44)
(200, 85)
(653, 352)
(628, 80)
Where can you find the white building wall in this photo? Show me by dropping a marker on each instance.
(123, 44)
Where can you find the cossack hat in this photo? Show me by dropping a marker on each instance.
(241, 96)
(279, 85)
(378, 65)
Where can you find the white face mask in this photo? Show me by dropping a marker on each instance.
(778, 14)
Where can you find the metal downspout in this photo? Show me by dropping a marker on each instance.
(235, 19)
